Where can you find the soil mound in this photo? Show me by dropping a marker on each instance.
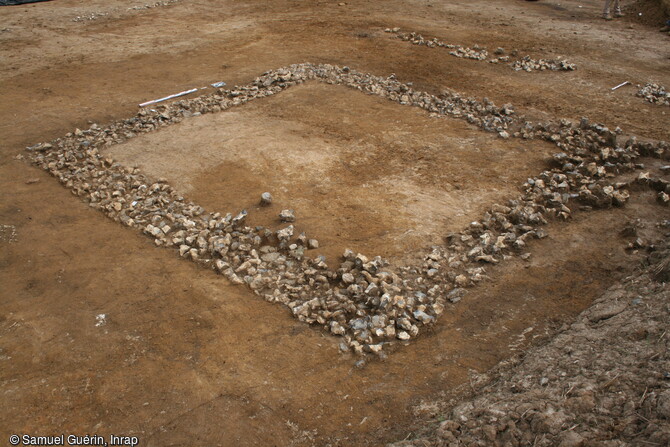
(605, 380)
(649, 12)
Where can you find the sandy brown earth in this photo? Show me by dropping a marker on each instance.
(360, 172)
(186, 358)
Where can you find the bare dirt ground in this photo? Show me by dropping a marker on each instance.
(186, 358)
(360, 172)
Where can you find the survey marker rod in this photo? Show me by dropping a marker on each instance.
(620, 85)
(176, 95)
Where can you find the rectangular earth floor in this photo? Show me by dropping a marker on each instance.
(361, 172)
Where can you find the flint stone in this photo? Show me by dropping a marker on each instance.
(285, 233)
(461, 280)
(266, 199)
(456, 295)
(376, 348)
(239, 219)
(270, 257)
(221, 265)
(378, 321)
(402, 335)
(336, 329)
(348, 278)
(287, 216)
(183, 249)
(358, 324)
(423, 317)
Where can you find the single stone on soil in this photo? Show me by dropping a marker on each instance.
(266, 199)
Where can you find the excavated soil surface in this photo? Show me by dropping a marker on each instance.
(359, 171)
(184, 357)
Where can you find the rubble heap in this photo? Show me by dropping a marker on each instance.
(654, 93)
(97, 15)
(155, 5)
(528, 64)
(361, 298)
(481, 54)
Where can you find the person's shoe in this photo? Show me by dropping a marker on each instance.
(618, 14)
(665, 29)
(607, 17)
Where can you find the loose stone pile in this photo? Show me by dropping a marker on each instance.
(362, 299)
(97, 15)
(155, 5)
(92, 16)
(655, 94)
(528, 64)
(481, 54)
